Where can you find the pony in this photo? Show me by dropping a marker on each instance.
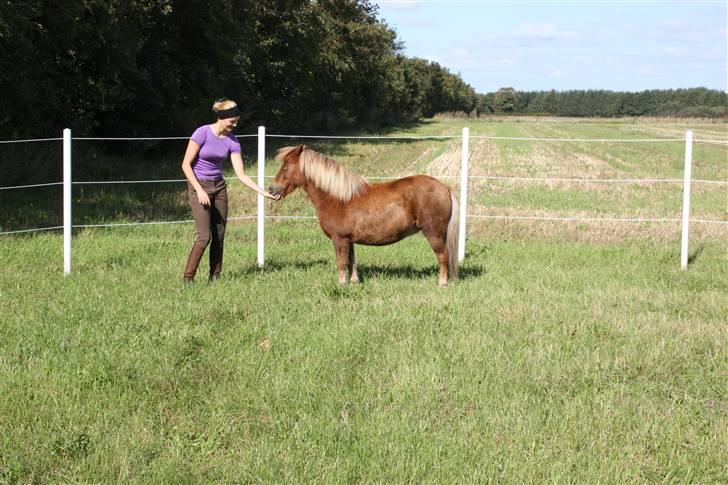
(351, 210)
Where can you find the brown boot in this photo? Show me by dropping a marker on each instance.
(193, 261)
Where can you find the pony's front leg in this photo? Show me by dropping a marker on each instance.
(354, 277)
(341, 246)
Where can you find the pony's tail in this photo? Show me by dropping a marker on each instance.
(453, 234)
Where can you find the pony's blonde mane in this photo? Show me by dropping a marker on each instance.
(326, 174)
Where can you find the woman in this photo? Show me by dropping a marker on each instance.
(208, 148)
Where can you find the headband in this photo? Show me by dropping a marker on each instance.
(228, 113)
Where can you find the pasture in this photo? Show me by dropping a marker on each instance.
(567, 352)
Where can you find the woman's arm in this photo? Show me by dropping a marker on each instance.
(238, 166)
(192, 150)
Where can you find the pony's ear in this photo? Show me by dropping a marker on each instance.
(300, 148)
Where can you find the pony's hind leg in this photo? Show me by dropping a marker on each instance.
(439, 246)
(353, 276)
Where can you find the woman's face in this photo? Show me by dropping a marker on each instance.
(228, 124)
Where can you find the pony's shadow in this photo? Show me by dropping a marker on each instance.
(365, 271)
(471, 271)
(412, 272)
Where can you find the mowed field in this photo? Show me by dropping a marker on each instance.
(567, 352)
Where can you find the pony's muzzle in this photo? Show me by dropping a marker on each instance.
(276, 189)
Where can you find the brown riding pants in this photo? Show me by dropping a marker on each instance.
(210, 225)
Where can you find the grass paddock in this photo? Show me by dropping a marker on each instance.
(550, 361)
(565, 353)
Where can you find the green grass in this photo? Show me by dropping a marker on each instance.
(549, 361)
(556, 358)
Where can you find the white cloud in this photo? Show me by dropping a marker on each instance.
(543, 32)
(458, 60)
(531, 36)
(556, 73)
(676, 51)
(645, 71)
(683, 32)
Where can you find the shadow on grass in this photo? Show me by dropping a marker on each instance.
(275, 266)
(412, 272)
(365, 271)
(693, 256)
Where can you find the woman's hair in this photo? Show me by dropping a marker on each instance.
(223, 104)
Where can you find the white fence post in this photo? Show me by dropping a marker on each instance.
(464, 156)
(261, 199)
(67, 222)
(686, 200)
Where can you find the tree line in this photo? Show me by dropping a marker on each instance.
(693, 102)
(154, 67)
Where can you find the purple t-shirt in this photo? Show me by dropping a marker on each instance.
(213, 152)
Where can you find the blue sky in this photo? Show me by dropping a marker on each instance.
(562, 45)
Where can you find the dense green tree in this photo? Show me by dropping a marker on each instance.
(505, 100)
(153, 67)
(486, 103)
(694, 102)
